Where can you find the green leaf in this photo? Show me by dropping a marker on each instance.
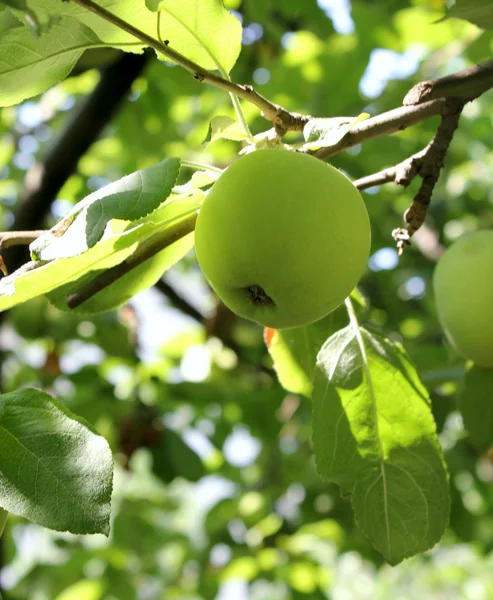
(213, 40)
(129, 198)
(38, 278)
(478, 12)
(294, 351)
(202, 30)
(320, 133)
(199, 179)
(172, 457)
(131, 284)
(223, 127)
(29, 16)
(122, 241)
(54, 470)
(131, 11)
(476, 406)
(19, 4)
(374, 435)
(3, 520)
(30, 65)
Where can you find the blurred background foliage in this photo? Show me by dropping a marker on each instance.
(216, 494)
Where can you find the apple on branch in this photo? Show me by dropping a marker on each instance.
(283, 238)
(463, 286)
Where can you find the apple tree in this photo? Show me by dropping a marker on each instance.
(315, 394)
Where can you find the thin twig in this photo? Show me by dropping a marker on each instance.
(401, 174)
(3, 267)
(388, 122)
(467, 84)
(282, 119)
(18, 238)
(150, 248)
(178, 301)
(432, 163)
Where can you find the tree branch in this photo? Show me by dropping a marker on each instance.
(388, 122)
(178, 301)
(424, 100)
(18, 238)
(431, 165)
(425, 239)
(454, 91)
(282, 119)
(401, 174)
(467, 84)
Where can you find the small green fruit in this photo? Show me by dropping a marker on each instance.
(283, 238)
(463, 286)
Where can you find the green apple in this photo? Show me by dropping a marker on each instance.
(3, 519)
(463, 287)
(283, 238)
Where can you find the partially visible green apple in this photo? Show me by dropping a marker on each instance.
(463, 286)
(3, 519)
(283, 238)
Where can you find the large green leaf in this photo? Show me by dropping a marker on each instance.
(54, 470)
(129, 199)
(294, 351)
(30, 65)
(131, 11)
(203, 30)
(122, 290)
(374, 435)
(123, 240)
(479, 12)
(476, 406)
(42, 278)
